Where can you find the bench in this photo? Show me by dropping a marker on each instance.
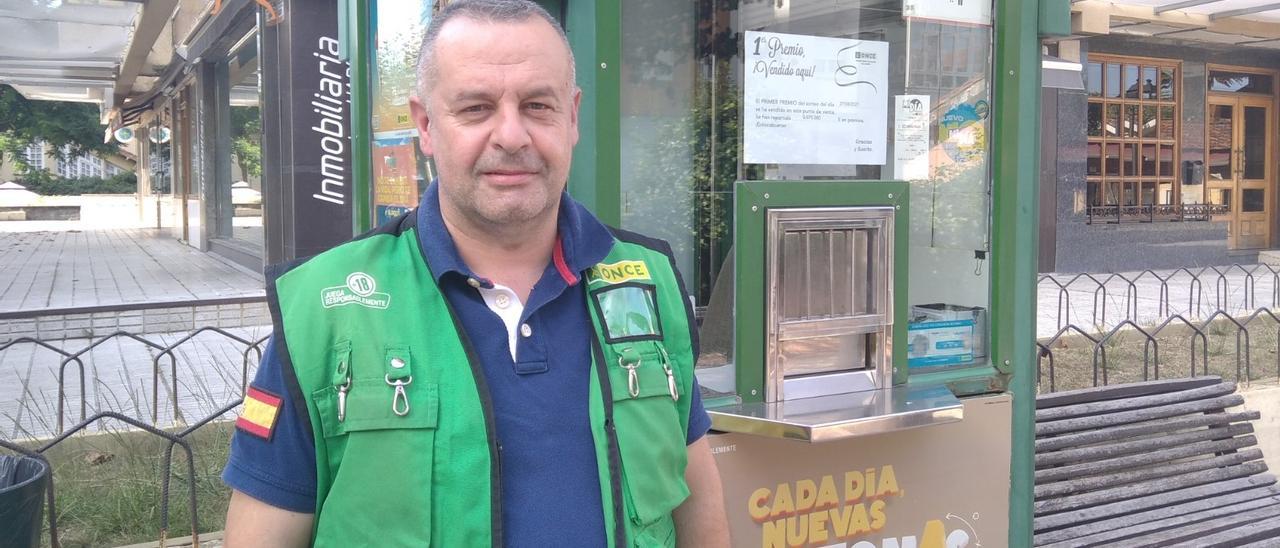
(1152, 464)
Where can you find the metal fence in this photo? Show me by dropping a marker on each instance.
(178, 434)
(1235, 299)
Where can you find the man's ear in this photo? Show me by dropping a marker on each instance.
(573, 112)
(422, 119)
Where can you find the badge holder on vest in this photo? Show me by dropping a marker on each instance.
(820, 331)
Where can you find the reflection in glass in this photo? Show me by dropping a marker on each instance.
(1149, 122)
(1167, 84)
(1130, 194)
(1130, 82)
(1093, 159)
(1148, 160)
(1220, 196)
(1254, 148)
(1112, 128)
(1253, 200)
(1221, 132)
(1166, 123)
(1166, 160)
(1113, 80)
(1112, 163)
(1094, 194)
(1166, 193)
(1093, 79)
(1113, 193)
(1223, 81)
(1095, 120)
(1129, 157)
(1148, 193)
(1149, 82)
(1131, 120)
(246, 147)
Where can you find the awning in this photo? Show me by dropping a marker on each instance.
(1225, 23)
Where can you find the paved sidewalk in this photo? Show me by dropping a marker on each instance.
(59, 269)
(1099, 302)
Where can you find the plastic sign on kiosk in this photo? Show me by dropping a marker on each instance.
(829, 442)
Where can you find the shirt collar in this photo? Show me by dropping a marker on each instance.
(582, 240)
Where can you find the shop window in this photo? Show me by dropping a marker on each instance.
(1225, 81)
(1132, 134)
(240, 206)
(1253, 200)
(400, 171)
(690, 130)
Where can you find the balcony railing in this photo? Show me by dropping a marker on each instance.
(1115, 214)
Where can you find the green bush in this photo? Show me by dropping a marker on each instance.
(49, 185)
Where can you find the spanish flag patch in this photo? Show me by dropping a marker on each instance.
(261, 408)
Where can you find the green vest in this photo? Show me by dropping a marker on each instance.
(406, 453)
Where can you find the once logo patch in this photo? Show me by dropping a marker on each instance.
(261, 409)
(361, 289)
(622, 271)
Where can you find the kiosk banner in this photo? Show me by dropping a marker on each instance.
(814, 100)
(943, 486)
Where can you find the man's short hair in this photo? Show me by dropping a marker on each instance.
(491, 11)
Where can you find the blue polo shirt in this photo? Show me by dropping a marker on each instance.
(550, 484)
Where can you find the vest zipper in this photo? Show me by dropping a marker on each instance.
(611, 433)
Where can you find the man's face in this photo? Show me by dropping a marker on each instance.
(501, 119)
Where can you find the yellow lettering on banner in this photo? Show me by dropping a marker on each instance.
(888, 482)
(619, 272)
(757, 505)
(806, 493)
(935, 535)
(852, 486)
(841, 519)
(774, 534)
(827, 497)
(877, 515)
(782, 504)
(858, 524)
(797, 528)
(817, 527)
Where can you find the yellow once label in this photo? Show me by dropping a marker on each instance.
(622, 271)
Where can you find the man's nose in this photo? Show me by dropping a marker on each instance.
(512, 133)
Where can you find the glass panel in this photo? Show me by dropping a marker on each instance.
(1220, 196)
(1112, 129)
(1168, 85)
(1093, 79)
(1166, 193)
(1113, 80)
(1167, 131)
(1131, 194)
(1148, 160)
(1095, 119)
(1148, 192)
(1112, 163)
(1221, 133)
(1253, 200)
(1239, 82)
(1149, 82)
(1130, 121)
(1129, 157)
(1166, 160)
(1093, 159)
(246, 149)
(1113, 192)
(1149, 129)
(1254, 148)
(1094, 196)
(400, 171)
(1130, 82)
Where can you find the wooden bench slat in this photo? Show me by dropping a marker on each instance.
(1119, 508)
(1104, 466)
(1086, 395)
(1080, 485)
(1128, 445)
(1138, 415)
(1203, 506)
(1140, 402)
(1115, 536)
(1221, 532)
(1173, 483)
(1175, 424)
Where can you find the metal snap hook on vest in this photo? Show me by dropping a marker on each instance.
(400, 396)
(671, 377)
(342, 399)
(633, 379)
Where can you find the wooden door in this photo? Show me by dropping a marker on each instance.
(1238, 171)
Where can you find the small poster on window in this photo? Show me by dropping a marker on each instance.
(911, 137)
(814, 100)
(976, 12)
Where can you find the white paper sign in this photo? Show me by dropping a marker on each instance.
(911, 137)
(814, 100)
(977, 12)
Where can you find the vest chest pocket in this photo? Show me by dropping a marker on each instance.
(651, 440)
(372, 404)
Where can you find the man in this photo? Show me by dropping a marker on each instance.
(496, 368)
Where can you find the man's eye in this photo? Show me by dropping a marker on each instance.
(474, 109)
(538, 106)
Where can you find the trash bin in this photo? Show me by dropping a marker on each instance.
(23, 481)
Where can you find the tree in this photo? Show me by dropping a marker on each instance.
(246, 140)
(70, 129)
